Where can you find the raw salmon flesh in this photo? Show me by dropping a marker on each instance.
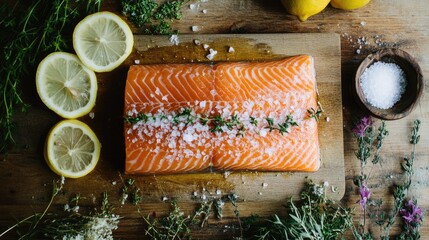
(228, 116)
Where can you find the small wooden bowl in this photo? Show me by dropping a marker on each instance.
(413, 90)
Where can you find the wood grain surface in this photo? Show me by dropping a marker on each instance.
(26, 180)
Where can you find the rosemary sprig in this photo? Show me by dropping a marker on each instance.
(32, 32)
(313, 217)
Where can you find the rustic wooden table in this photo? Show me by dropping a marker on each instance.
(26, 179)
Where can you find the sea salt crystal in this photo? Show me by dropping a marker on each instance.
(231, 49)
(204, 11)
(137, 61)
(195, 28)
(212, 54)
(206, 46)
(174, 39)
(383, 84)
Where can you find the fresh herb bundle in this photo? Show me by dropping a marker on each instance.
(70, 225)
(314, 217)
(27, 34)
(157, 17)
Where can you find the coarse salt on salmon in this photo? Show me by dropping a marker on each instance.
(167, 141)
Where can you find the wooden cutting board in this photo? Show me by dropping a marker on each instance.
(326, 50)
(27, 179)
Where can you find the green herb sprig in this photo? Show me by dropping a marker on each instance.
(40, 28)
(314, 217)
(315, 113)
(217, 123)
(156, 17)
(130, 192)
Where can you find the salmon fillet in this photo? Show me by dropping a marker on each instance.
(172, 116)
(268, 90)
(156, 145)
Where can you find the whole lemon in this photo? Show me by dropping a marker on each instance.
(304, 9)
(349, 4)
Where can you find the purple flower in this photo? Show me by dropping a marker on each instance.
(361, 127)
(364, 195)
(411, 214)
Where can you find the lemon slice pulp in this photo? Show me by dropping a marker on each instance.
(65, 85)
(72, 149)
(102, 41)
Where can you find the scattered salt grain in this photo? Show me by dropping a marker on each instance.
(204, 11)
(362, 23)
(193, 6)
(212, 54)
(203, 197)
(326, 184)
(137, 61)
(328, 119)
(218, 192)
(259, 193)
(206, 46)
(383, 84)
(174, 39)
(231, 49)
(164, 199)
(195, 194)
(195, 28)
(264, 185)
(113, 183)
(197, 42)
(226, 174)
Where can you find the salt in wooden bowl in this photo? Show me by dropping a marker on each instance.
(413, 91)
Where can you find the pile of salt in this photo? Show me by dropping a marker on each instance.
(383, 84)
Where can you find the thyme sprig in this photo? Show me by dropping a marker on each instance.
(315, 113)
(177, 225)
(156, 17)
(217, 123)
(130, 192)
(32, 32)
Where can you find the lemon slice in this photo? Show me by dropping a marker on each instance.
(72, 149)
(65, 85)
(102, 41)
